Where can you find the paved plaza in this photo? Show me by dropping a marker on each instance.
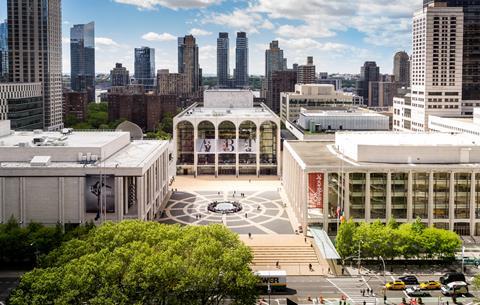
(263, 212)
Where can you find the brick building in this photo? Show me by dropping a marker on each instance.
(145, 110)
(75, 103)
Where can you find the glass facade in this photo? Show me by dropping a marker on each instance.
(420, 185)
(334, 190)
(247, 147)
(378, 195)
(357, 188)
(82, 58)
(462, 195)
(206, 148)
(441, 195)
(227, 158)
(145, 67)
(399, 195)
(185, 142)
(26, 113)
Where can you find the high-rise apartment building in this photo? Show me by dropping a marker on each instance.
(381, 94)
(282, 81)
(274, 61)
(119, 75)
(188, 61)
(172, 83)
(401, 68)
(3, 51)
(35, 51)
(241, 61)
(145, 67)
(306, 73)
(82, 59)
(471, 45)
(437, 66)
(223, 55)
(369, 72)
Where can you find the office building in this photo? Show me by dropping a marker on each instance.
(73, 178)
(3, 51)
(172, 83)
(369, 72)
(145, 67)
(35, 52)
(274, 61)
(228, 135)
(75, 105)
(401, 68)
(306, 73)
(241, 61)
(471, 45)
(82, 59)
(119, 75)
(381, 175)
(188, 62)
(381, 94)
(223, 56)
(22, 104)
(282, 81)
(313, 97)
(437, 65)
(144, 109)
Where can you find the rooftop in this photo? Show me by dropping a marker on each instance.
(197, 112)
(345, 113)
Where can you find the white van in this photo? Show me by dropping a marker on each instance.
(455, 288)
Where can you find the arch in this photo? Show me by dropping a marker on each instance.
(185, 143)
(227, 130)
(268, 143)
(247, 137)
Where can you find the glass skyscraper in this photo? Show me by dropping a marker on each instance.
(3, 50)
(241, 56)
(82, 57)
(223, 60)
(145, 67)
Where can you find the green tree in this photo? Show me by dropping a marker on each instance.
(136, 262)
(344, 242)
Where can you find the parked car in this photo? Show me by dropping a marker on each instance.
(452, 277)
(409, 279)
(430, 285)
(415, 291)
(455, 288)
(397, 285)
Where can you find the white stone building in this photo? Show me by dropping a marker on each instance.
(379, 175)
(71, 178)
(227, 135)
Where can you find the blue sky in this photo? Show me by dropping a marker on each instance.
(340, 34)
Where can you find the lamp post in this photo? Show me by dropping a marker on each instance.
(384, 279)
(359, 264)
(269, 290)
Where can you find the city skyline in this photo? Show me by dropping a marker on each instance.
(348, 34)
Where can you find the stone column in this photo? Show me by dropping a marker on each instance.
(410, 197)
(473, 203)
(430, 199)
(368, 207)
(388, 204)
(451, 201)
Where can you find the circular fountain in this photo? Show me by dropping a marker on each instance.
(225, 207)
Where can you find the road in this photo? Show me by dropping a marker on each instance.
(331, 289)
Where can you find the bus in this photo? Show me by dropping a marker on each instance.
(277, 280)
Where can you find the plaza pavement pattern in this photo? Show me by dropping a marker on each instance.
(263, 212)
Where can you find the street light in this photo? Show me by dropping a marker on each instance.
(269, 290)
(384, 280)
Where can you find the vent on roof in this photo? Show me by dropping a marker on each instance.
(40, 161)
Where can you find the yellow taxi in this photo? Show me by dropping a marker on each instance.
(430, 285)
(397, 285)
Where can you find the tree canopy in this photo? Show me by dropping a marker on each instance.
(136, 262)
(407, 240)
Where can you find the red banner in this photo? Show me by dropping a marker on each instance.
(315, 190)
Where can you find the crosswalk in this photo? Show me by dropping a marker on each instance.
(351, 287)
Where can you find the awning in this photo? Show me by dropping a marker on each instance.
(324, 243)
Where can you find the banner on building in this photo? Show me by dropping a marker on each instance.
(315, 190)
(206, 146)
(100, 193)
(227, 146)
(247, 146)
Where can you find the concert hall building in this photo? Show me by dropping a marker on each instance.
(228, 135)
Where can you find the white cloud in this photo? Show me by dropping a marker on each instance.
(207, 58)
(152, 36)
(105, 41)
(65, 40)
(199, 32)
(171, 4)
(240, 19)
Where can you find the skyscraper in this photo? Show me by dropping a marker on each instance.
(401, 68)
(241, 56)
(3, 50)
(306, 73)
(35, 51)
(369, 72)
(188, 61)
(119, 75)
(437, 66)
(471, 45)
(223, 53)
(82, 58)
(145, 67)
(282, 81)
(274, 61)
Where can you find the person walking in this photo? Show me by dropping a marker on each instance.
(249, 235)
